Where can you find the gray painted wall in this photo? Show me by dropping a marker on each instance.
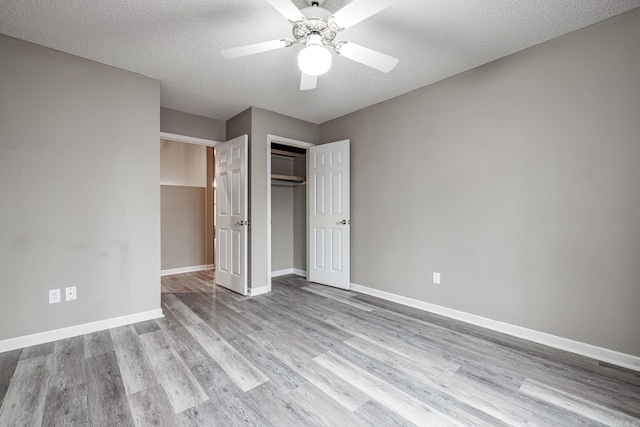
(180, 123)
(79, 185)
(518, 181)
(182, 226)
(238, 125)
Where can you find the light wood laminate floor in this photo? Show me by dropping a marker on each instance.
(305, 355)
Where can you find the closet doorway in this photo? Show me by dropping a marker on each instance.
(286, 206)
(309, 209)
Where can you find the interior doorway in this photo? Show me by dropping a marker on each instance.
(187, 203)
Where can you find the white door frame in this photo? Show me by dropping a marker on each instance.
(284, 141)
(189, 139)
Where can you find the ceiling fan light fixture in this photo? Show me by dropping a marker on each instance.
(316, 28)
(314, 59)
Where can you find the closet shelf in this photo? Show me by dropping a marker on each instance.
(290, 178)
(286, 153)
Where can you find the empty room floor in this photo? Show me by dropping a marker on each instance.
(305, 355)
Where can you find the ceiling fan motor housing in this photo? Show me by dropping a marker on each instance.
(315, 23)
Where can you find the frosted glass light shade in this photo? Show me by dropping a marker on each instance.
(314, 60)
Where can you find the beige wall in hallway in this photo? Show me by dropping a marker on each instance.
(183, 164)
(182, 226)
(183, 179)
(517, 181)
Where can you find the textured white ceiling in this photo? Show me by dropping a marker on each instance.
(178, 42)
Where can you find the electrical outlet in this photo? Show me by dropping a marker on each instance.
(54, 296)
(436, 278)
(70, 293)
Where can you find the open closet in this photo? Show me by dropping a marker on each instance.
(309, 230)
(288, 209)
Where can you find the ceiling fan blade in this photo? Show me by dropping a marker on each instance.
(308, 82)
(359, 10)
(250, 49)
(287, 9)
(366, 56)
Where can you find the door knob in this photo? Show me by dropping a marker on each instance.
(242, 223)
(345, 222)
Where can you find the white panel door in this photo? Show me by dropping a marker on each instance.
(328, 213)
(232, 216)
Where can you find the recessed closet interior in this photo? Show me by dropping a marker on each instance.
(288, 210)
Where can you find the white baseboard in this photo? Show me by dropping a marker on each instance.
(190, 269)
(259, 291)
(584, 349)
(297, 271)
(278, 273)
(74, 331)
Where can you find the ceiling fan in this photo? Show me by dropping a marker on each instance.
(316, 27)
